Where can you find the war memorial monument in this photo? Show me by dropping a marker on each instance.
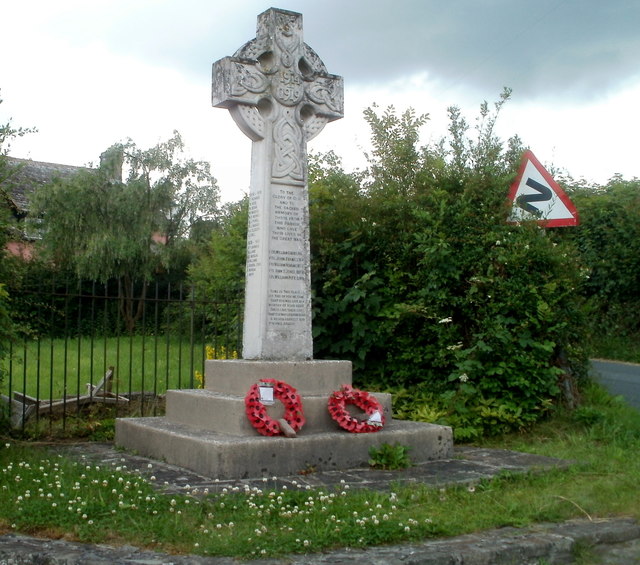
(279, 93)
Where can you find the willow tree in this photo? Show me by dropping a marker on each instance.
(126, 219)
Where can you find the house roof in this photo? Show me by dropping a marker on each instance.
(26, 176)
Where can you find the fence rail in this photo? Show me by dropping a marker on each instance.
(89, 345)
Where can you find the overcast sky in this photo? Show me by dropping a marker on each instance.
(89, 73)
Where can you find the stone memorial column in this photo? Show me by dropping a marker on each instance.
(279, 93)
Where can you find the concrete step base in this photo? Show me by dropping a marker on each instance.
(225, 414)
(309, 378)
(227, 456)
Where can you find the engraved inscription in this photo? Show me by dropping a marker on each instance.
(287, 307)
(253, 235)
(287, 87)
(288, 215)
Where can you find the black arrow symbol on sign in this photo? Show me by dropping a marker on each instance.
(525, 200)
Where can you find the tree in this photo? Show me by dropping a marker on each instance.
(104, 227)
(219, 268)
(608, 240)
(7, 134)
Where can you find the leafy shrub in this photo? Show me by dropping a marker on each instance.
(608, 240)
(389, 457)
(420, 280)
(6, 328)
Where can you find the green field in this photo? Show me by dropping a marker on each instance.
(54, 368)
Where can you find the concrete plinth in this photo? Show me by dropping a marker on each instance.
(207, 431)
(225, 414)
(235, 376)
(225, 456)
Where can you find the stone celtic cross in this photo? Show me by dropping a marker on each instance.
(279, 93)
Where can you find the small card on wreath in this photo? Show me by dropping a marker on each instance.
(266, 393)
(375, 419)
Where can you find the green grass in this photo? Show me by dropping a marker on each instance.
(55, 497)
(53, 368)
(619, 348)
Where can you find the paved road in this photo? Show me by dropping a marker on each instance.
(619, 379)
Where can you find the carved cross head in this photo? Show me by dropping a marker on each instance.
(276, 76)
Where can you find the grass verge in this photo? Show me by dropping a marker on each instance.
(602, 345)
(57, 497)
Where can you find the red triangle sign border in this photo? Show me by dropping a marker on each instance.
(527, 157)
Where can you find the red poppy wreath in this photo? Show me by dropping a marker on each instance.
(338, 401)
(257, 412)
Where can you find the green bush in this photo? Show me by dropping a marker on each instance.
(608, 240)
(6, 335)
(421, 282)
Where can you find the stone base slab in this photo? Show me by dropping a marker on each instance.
(235, 376)
(225, 414)
(225, 456)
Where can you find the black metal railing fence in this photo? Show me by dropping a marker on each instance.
(87, 344)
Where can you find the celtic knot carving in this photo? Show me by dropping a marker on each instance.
(288, 157)
(267, 83)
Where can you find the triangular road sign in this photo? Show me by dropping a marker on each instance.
(536, 196)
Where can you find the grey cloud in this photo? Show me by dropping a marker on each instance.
(546, 48)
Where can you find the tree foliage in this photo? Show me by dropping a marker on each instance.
(104, 225)
(7, 133)
(423, 283)
(608, 240)
(220, 265)
(420, 281)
